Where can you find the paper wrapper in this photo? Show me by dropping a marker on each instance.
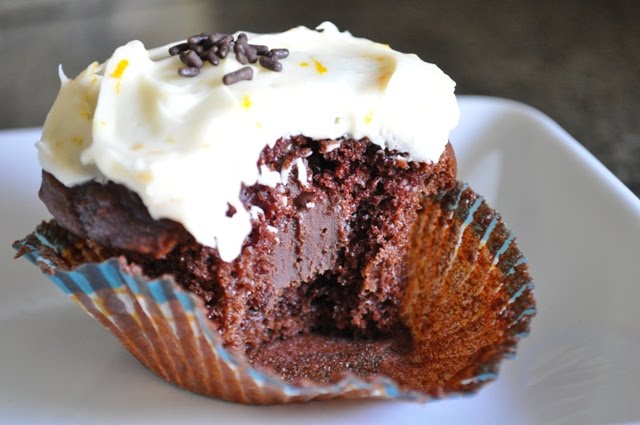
(467, 303)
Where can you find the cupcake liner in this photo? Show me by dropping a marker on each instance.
(467, 303)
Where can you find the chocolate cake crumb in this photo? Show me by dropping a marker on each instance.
(325, 259)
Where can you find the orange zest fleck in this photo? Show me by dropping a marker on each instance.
(85, 109)
(319, 66)
(246, 102)
(120, 68)
(86, 114)
(368, 118)
(383, 80)
(117, 73)
(145, 176)
(304, 64)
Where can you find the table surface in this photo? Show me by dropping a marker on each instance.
(579, 62)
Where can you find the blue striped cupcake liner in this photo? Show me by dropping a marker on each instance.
(467, 302)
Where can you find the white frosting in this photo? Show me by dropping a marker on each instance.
(186, 145)
(302, 172)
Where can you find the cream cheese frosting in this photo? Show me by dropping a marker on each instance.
(187, 145)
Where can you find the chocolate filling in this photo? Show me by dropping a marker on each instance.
(326, 257)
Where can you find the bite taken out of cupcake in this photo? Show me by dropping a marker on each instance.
(276, 218)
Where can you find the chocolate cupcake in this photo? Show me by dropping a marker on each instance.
(275, 218)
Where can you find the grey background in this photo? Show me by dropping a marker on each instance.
(577, 61)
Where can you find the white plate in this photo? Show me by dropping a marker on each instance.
(579, 226)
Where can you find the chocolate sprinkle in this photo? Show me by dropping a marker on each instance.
(278, 53)
(252, 54)
(242, 58)
(178, 48)
(212, 47)
(227, 38)
(191, 59)
(245, 73)
(260, 49)
(223, 50)
(270, 63)
(239, 48)
(212, 57)
(242, 38)
(188, 71)
(217, 36)
(195, 39)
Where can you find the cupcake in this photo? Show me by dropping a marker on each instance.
(276, 218)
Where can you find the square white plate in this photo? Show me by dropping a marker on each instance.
(579, 226)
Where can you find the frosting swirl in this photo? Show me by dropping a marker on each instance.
(187, 145)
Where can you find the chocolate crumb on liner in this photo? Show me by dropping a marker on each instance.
(467, 303)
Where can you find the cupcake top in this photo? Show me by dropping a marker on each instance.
(186, 145)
